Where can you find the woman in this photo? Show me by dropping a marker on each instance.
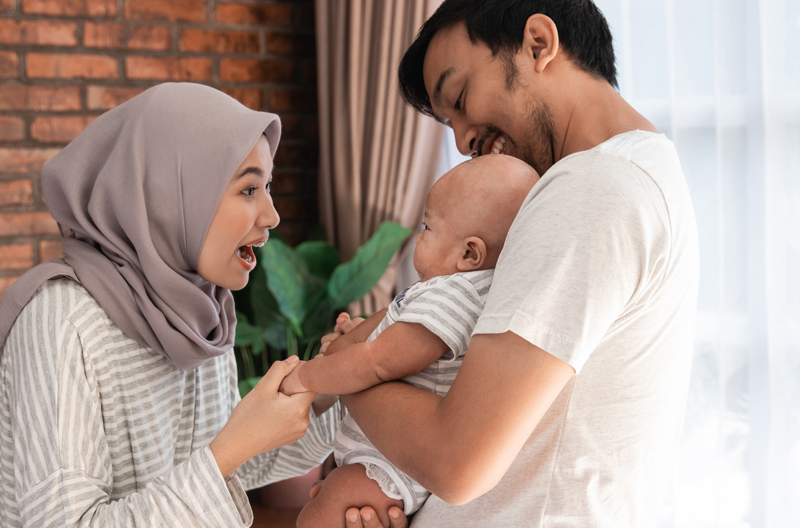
(118, 396)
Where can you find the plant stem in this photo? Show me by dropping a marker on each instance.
(247, 362)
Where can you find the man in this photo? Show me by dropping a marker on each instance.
(578, 368)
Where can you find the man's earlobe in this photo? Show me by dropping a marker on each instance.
(541, 38)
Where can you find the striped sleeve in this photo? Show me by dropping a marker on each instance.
(449, 308)
(63, 471)
(294, 459)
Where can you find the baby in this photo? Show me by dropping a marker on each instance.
(423, 335)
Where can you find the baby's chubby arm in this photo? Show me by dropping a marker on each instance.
(400, 350)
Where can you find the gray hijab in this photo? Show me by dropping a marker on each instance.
(134, 196)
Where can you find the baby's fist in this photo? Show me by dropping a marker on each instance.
(291, 384)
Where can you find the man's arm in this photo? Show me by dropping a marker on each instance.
(400, 350)
(502, 390)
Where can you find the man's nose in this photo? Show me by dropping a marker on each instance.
(466, 138)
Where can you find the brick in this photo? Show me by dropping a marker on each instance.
(295, 208)
(304, 16)
(50, 249)
(217, 41)
(289, 183)
(16, 192)
(168, 68)
(6, 6)
(46, 65)
(5, 282)
(250, 97)
(290, 44)
(256, 70)
(9, 64)
(108, 97)
(93, 8)
(260, 15)
(38, 33)
(25, 159)
(296, 156)
(27, 224)
(292, 100)
(22, 97)
(127, 36)
(16, 256)
(62, 129)
(172, 10)
(291, 127)
(11, 129)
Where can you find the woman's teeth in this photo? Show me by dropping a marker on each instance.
(499, 145)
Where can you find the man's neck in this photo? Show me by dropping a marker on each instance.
(592, 113)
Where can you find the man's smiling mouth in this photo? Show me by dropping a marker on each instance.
(497, 145)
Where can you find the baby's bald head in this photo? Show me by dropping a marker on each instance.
(481, 197)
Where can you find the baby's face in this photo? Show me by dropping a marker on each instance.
(438, 245)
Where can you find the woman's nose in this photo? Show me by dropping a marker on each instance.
(269, 217)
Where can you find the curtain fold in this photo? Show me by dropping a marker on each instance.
(721, 78)
(378, 156)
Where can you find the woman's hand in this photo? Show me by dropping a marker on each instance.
(366, 517)
(265, 419)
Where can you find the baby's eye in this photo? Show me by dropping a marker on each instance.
(249, 191)
(425, 226)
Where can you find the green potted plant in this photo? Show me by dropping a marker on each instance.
(294, 294)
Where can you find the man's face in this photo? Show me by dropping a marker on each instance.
(489, 103)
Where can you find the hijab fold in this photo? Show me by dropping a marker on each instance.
(134, 196)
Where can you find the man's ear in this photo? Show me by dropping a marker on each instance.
(540, 40)
(474, 254)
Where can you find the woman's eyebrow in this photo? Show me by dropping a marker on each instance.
(251, 170)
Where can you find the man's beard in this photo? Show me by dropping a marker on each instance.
(536, 149)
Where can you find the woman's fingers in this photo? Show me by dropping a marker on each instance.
(271, 381)
(397, 518)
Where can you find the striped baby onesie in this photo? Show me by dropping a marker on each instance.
(448, 306)
(98, 430)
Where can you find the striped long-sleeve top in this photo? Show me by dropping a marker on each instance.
(98, 430)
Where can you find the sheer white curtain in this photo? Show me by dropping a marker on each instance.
(721, 79)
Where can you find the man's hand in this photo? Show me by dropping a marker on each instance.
(366, 516)
(291, 384)
(343, 325)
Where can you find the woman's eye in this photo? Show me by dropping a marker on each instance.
(249, 191)
(269, 185)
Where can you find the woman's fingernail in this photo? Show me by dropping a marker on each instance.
(352, 517)
(292, 359)
(367, 517)
(395, 514)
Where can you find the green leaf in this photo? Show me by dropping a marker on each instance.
(295, 288)
(320, 257)
(247, 334)
(266, 313)
(353, 280)
(247, 384)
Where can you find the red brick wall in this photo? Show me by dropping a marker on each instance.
(64, 62)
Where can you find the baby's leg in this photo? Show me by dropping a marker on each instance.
(346, 487)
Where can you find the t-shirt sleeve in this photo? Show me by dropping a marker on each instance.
(450, 309)
(578, 251)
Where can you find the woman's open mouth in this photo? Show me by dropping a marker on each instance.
(247, 256)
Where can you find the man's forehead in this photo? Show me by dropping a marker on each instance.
(442, 58)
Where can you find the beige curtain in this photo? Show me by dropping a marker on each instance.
(378, 156)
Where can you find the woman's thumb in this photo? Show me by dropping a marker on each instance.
(279, 370)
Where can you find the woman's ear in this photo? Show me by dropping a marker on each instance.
(540, 40)
(474, 254)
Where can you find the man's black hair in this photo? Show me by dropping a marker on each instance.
(582, 31)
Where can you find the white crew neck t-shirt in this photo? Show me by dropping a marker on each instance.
(600, 269)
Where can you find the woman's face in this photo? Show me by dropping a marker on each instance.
(243, 219)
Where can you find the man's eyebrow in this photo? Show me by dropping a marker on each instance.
(437, 91)
(251, 170)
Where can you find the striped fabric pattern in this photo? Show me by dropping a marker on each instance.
(98, 430)
(448, 306)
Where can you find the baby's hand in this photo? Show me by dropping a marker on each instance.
(291, 384)
(343, 325)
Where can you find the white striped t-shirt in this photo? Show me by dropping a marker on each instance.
(98, 430)
(448, 306)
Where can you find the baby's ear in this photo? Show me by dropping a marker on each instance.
(473, 254)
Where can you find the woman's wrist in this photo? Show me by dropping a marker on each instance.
(226, 456)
